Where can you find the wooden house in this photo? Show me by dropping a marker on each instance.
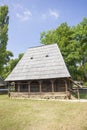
(40, 73)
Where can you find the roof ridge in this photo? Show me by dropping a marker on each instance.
(42, 45)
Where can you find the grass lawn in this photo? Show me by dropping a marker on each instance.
(24, 114)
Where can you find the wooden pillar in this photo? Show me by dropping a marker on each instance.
(40, 86)
(68, 94)
(66, 87)
(18, 87)
(28, 89)
(78, 93)
(14, 87)
(52, 86)
(52, 83)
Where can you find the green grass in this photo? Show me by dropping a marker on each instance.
(24, 114)
(83, 96)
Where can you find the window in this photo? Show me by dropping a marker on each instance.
(47, 56)
(31, 58)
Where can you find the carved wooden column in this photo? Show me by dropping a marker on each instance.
(28, 89)
(52, 83)
(14, 87)
(40, 86)
(68, 94)
(18, 86)
(78, 93)
(66, 87)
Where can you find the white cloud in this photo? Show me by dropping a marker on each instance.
(54, 13)
(50, 13)
(23, 14)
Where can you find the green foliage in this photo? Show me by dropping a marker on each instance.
(3, 34)
(81, 39)
(5, 55)
(10, 66)
(6, 63)
(85, 84)
(72, 42)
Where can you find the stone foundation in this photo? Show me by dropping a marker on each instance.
(59, 95)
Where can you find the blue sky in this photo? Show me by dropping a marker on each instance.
(28, 18)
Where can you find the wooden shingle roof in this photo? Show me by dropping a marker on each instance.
(43, 62)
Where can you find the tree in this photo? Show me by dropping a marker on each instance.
(81, 39)
(10, 66)
(72, 42)
(4, 54)
(63, 36)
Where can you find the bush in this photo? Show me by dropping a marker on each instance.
(85, 84)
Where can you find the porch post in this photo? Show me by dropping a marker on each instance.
(14, 86)
(66, 87)
(78, 93)
(52, 83)
(28, 89)
(19, 87)
(68, 94)
(40, 86)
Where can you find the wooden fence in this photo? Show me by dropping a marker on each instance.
(81, 90)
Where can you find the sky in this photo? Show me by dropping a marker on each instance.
(28, 18)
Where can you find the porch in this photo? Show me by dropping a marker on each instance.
(51, 88)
